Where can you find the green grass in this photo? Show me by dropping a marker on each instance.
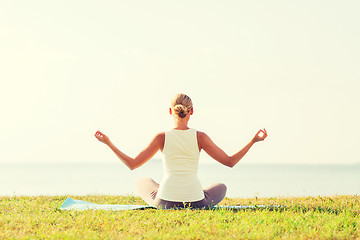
(335, 217)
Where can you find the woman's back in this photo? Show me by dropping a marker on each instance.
(181, 160)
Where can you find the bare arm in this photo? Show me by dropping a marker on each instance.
(144, 156)
(219, 155)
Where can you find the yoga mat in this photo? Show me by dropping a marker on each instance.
(71, 204)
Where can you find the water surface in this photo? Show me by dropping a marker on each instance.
(244, 180)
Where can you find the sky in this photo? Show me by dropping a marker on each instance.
(70, 68)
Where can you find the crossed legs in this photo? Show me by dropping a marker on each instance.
(147, 189)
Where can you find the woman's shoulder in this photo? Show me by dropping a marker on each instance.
(160, 135)
(200, 133)
(201, 136)
(201, 139)
(160, 139)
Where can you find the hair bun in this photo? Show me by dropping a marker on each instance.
(181, 104)
(181, 110)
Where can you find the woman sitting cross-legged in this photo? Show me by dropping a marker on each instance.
(181, 148)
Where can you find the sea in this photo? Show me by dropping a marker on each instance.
(242, 181)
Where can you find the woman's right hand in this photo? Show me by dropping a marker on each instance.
(260, 136)
(102, 137)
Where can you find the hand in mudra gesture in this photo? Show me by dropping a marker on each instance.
(260, 135)
(102, 137)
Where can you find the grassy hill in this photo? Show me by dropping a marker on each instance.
(39, 217)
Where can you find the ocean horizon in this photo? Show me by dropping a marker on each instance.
(245, 180)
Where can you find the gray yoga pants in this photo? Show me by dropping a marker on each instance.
(147, 189)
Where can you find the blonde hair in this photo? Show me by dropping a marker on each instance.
(181, 104)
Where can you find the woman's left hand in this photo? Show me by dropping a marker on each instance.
(102, 137)
(260, 135)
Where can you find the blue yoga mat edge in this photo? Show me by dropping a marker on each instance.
(72, 204)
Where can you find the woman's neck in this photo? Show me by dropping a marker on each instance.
(181, 124)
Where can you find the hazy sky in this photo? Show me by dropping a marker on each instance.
(69, 68)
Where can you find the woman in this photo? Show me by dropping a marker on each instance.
(181, 147)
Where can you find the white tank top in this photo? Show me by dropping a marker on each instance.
(180, 161)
